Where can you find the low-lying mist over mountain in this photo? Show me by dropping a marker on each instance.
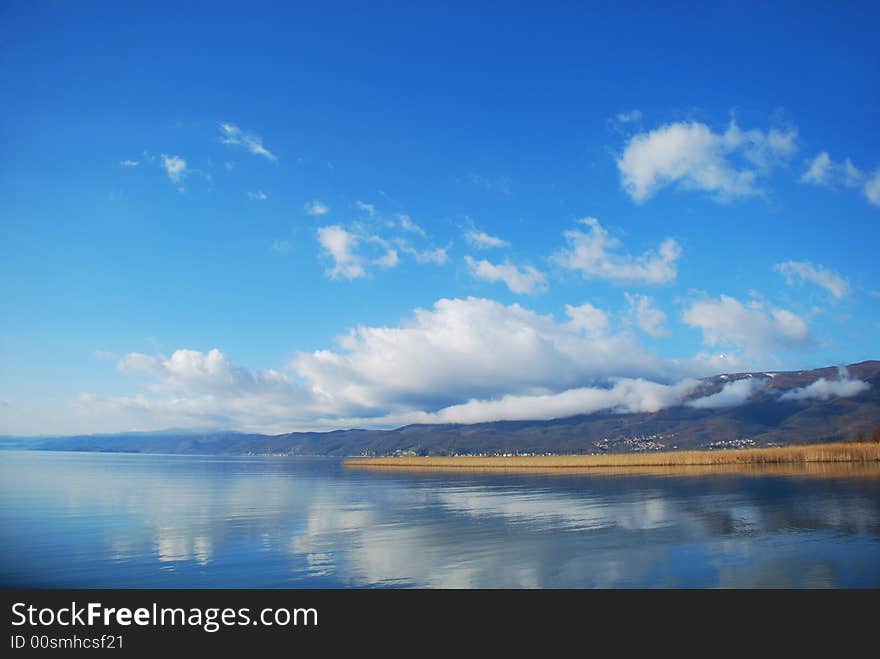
(724, 411)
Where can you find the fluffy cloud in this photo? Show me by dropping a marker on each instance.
(526, 279)
(482, 240)
(643, 312)
(731, 394)
(259, 195)
(193, 388)
(594, 254)
(823, 389)
(235, 136)
(464, 360)
(187, 369)
(471, 348)
(355, 249)
(175, 167)
(625, 396)
(692, 156)
(340, 245)
(824, 171)
(588, 318)
(756, 327)
(831, 281)
(316, 208)
(129, 163)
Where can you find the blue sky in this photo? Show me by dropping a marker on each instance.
(201, 205)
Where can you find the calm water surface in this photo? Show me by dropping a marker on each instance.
(114, 520)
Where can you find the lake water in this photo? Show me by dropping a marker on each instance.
(114, 520)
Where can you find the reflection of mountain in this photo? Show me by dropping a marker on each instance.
(778, 412)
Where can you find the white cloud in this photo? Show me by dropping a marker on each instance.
(339, 245)
(731, 394)
(824, 171)
(823, 389)
(692, 156)
(526, 279)
(470, 348)
(720, 362)
(369, 209)
(643, 312)
(195, 389)
(282, 246)
(407, 224)
(316, 208)
(853, 177)
(594, 255)
(235, 136)
(191, 372)
(831, 281)
(388, 260)
(186, 368)
(355, 249)
(387, 256)
(756, 327)
(463, 360)
(628, 117)
(819, 171)
(872, 188)
(436, 255)
(177, 170)
(625, 396)
(259, 195)
(376, 232)
(175, 167)
(129, 163)
(478, 358)
(588, 318)
(482, 240)
(425, 252)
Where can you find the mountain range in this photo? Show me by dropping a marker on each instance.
(819, 405)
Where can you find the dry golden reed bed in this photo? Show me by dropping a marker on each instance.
(798, 455)
(860, 470)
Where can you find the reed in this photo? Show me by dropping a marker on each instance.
(839, 452)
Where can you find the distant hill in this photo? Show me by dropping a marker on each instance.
(763, 420)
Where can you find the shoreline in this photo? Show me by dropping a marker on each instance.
(794, 456)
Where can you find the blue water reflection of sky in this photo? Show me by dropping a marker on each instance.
(93, 520)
